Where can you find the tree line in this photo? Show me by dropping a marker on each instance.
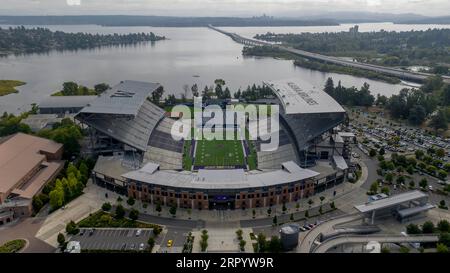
(20, 40)
(349, 96)
(390, 48)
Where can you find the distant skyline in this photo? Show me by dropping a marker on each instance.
(290, 8)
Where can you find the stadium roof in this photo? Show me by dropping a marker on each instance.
(124, 113)
(303, 98)
(126, 98)
(66, 101)
(220, 179)
(391, 201)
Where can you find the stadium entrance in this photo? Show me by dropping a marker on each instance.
(221, 202)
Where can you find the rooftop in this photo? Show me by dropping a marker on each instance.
(66, 101)
(19, 155)
(391, 201)
(125, 98)
(221, 179)
(303, 98)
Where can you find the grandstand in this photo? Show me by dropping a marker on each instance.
(122, 115)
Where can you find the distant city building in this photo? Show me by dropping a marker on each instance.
(354, 29)
(27, 164)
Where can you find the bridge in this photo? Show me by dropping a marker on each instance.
(381, 238)
(391, 71)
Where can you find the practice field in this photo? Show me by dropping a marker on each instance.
(219, 153)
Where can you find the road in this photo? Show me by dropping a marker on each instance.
(397, 72)
(381, 238)
(307, 242)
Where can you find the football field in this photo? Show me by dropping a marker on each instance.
(219, 153)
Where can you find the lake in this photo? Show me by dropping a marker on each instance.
(188, 56)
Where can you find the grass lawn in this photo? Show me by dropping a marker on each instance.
(219, 153)
(9, 87)
(12, 246)
(101, 219)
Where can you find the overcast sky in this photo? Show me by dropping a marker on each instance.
(220, 7)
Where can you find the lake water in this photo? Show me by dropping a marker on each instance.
(187, 52)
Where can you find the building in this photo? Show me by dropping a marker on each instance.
(139, 157)
(27, 164)
(41, 121)
(403, 206)
(220, 189)
(64, 104)
(122, 118)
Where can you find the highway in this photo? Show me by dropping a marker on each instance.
(397, 72)
(381, 238)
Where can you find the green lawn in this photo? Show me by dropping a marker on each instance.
(9, 87)
(219, 153)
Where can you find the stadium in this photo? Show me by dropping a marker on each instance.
(138, 157)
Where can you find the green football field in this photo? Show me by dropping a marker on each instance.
(219, 153)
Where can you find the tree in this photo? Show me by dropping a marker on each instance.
(130, 201)
(442, 174)
(428, 227)
(374, 188)
(320, 210)
(242, 244)
(417, 115)
(37, 203)
(297, 206)
(404, 249)
(381, 151)
(439, 121)
(120, 212)
(412, 184)
(57, 195)
(442, 204)
(261, 241)
(310, 202)
(173, 210)
(332, 205)
(419, 154)
(423, 183)
(413, 229)
(101, 87)
(158, 208)
(329, 87)
(275, 220)
(389, 177)
(284, 208)
(274, 245)
(321, 199)
(71, 228)
(440, 152)
(61, 239)
(291, 217)
(443, 226)
(444, 238)
(269, 211)
(254, 213)
(157, 230)
(151, 242)
(106, 206)
(134, 214)
(372, 152)
(70, 89)
(441, 248)
(385, 190)
(306, 214)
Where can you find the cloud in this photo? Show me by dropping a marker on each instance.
(220, 7)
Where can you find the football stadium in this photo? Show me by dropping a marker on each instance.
(138, 157)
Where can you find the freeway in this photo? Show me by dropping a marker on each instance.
(381, 238)
(397, 72)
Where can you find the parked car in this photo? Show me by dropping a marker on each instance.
(124, 246)
(169, 243)
(82, 232)
(141, 246)
(302, 228)
(306, 227)
(91, 232)
(132, 247)
(138, 232)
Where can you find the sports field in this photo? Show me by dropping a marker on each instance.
(219, 153)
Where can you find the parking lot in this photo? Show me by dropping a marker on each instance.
(177, 235)
(113, 238)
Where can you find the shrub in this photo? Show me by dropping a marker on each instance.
(106, 206)
(120, 212)
(71, 228)
(131, 201)
(134, 214)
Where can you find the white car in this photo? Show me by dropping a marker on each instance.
(138, 232)
(141, 246)
(430, 187)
